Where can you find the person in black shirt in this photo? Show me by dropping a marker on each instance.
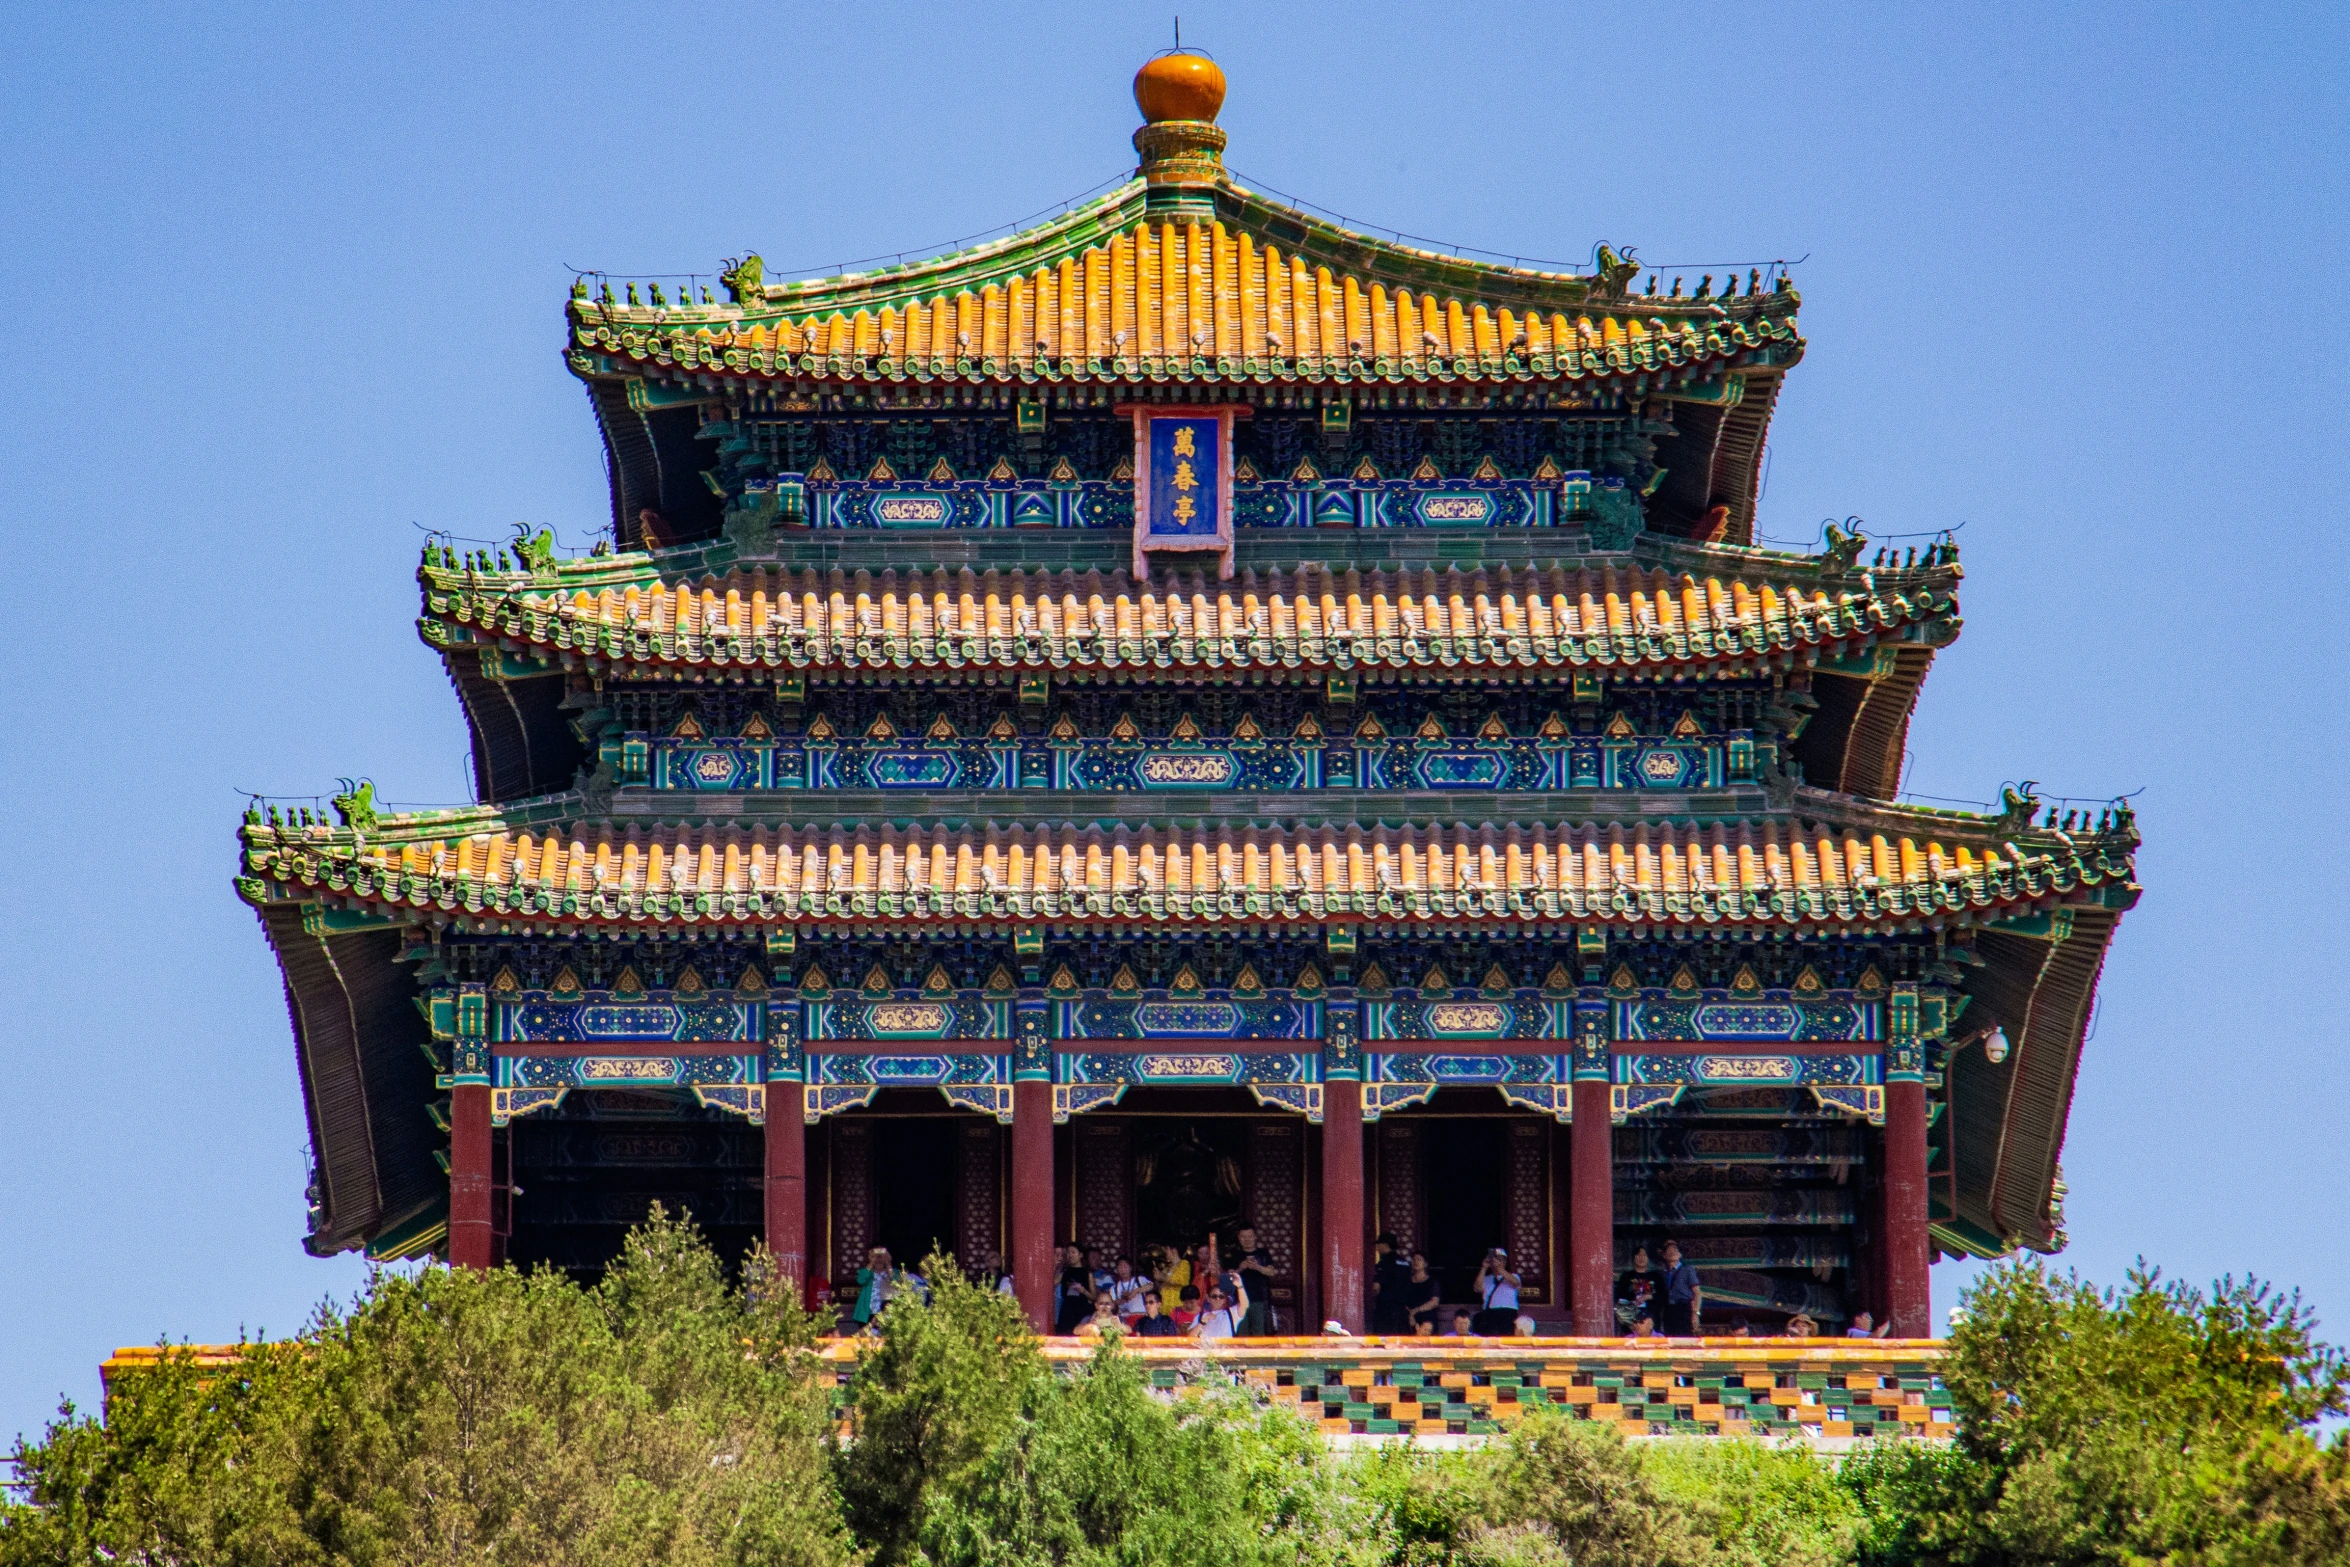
(1640, 1290)
(1421, 1294)
(1155, 1323)
(1391, 1280)
(1684, 1295)
(1074, 1290)
(1254, 1266)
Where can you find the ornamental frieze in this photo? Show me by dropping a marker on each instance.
(1059, 498)
(1769, 1015)
(912, 1017)
(1093, 1080)
(1399, 1080)
(841, 1080)
(520, 1085)
(603, 1016)
(1116, 765)
(1851, 1084)
(1524, 1016)
(1160, 1015)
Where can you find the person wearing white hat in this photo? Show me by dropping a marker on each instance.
(1497, 1295)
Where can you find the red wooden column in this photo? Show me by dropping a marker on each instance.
(1342, 1202)
(1591, 1220)
(1343, 1288)
(786, 1065)
(787, 1182)
(472, 1231)
(1032, 1200)
(1904, 1254)
(1591, 1180)
(1906, 1249)
(1030, 1208)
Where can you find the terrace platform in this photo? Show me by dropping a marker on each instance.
(1452, 1391)
(1819, 1390)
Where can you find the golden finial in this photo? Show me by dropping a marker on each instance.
(1179, 84)
(1179, 92)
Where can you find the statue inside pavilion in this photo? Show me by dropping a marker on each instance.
(1185, 716)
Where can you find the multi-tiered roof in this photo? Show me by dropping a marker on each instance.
(1183, 287)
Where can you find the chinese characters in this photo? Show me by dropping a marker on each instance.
(1186, 479)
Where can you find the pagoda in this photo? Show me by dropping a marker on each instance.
(1183, 716)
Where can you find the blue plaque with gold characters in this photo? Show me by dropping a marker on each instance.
(1182, 484)
(1183, 499)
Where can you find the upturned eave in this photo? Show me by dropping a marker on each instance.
(1826, 864)
(1620, 618)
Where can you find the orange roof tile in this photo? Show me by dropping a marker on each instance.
(1877, 864)
(754, 621)
(1259, 292)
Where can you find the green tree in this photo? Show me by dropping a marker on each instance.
(969, 1452)
(192, 1464)
(1582, 1488)
(1757, 1505)
(1561, 1491)
(1430, 1501)
(1901, 1489)
(464, 1417)
(935, 1403)
(664, 1417)
(2154, 1423)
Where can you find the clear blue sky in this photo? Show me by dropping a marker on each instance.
(289, 282)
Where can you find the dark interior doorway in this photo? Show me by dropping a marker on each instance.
(1464, 1192)
(1189, 1179)
(914, 1186)
(585, 1173)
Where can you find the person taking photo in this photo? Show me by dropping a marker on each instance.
(1497, 1294)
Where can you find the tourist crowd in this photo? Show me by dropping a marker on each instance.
(1213, 1292)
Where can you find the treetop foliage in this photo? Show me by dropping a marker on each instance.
(465, 1417)
(2155, 1422)
(666, 1416)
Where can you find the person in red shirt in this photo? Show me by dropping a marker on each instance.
(1187, 1308)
